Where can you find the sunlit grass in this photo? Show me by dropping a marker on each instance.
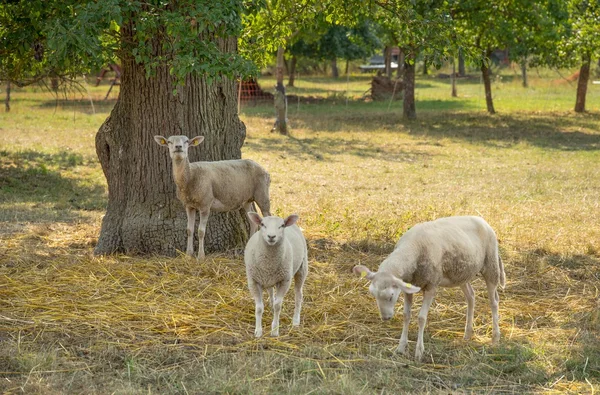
(359, 176)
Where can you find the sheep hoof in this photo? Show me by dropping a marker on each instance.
(275, 333)
(258, 332)
(468, 335)
(296, 322)
(402, 349)
(495, 339)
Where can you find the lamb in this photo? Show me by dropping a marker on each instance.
(214, 186)
(273, 255)
(448, 252)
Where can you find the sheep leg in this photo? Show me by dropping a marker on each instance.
(299, 278)
(253, 227)
(270, 291)
(261, 197)
(191, 220)
(201, 232)
(259, 307)
(427, 300)
(494, 299)
(470, 296)
(280, 290)
(408, 298)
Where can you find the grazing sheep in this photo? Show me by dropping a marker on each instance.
(273, 255)
(214, 186)
(448, 252)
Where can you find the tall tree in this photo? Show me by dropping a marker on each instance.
(179, 63)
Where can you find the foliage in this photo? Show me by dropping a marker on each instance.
(70, 38)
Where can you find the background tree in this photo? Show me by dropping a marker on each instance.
(424, 28)
(179, 63)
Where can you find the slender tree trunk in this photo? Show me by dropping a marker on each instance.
(400, 69)
(7, 100)
(453, 78)
(409, 110)
(335, 72)
(280, 100)
(524, 72)
(485, 73)
(347, 68)
(387, 61)
(54, 84)
(292, 76)
(143, 214)
(425, 70)
(461, 64)
(582, 83)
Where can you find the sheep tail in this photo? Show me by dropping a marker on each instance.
(502, 281)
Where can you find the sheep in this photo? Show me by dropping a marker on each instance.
(448, 252)
(214, 186)
(273, 255)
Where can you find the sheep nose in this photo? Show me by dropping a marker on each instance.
(178, 146)
(271, 238)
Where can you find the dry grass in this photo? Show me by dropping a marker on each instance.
(74, 323)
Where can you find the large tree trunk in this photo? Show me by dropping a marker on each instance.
(292, 76)
(409, 110)
(143, 214)
(280, 100)
(582, 83)
(487, 84)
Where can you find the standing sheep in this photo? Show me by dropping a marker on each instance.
(273, 255)
(214, 186)
(448, 252)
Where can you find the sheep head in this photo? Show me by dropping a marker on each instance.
(272, 228)
(386, 288)
(178, 145)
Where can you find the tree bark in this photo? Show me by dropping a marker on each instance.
(453, 78)
(582, 83)
(425, 70)
(7, 99)
(485, 73)
(400, 69)
(335, 72)
(292, 76)
(387, 59)
(280, 100)
(524, 73)
(409, 110)
(461, 64)
(143, 215)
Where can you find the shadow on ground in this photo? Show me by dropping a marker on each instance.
(41, 187)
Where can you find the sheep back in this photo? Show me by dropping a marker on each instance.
(446, 252)
(231, 182)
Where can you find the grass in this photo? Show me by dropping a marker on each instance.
(359, 176)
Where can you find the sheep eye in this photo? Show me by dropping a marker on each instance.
(282, 226)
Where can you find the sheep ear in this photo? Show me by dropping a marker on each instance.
(254, 217)
(196, 140)
(363, 271)
(291, 220)
(406, 287)
(160, 140)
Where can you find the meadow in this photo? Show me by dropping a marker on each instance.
(359, 176)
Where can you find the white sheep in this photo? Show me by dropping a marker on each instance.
(273, 255)
(448, 252)
(214, 186)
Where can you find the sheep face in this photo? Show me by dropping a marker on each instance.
(178, 145)
(386, 288)
(272, 228)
